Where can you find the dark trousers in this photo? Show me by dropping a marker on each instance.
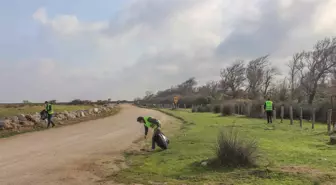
(269, 115)
(50, 120)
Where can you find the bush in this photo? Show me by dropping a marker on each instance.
(205, 108)
(216, 109)
(227, 109)
(233, 151)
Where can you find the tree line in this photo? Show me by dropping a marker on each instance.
(311, 78)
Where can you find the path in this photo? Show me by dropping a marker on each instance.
(57, 156)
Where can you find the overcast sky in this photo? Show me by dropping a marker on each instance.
(58, 49)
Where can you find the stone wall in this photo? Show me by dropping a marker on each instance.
(24, 121)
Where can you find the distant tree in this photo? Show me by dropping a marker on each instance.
(294, 74)
(233, 77)
(26, 102)
(255, 72)
(52, 101)
(269, 74)
(316, 65)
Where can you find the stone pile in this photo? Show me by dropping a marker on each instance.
(32, 120)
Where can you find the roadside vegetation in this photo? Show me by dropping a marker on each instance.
(213, 149)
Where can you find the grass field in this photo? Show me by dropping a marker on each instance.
(288, 154)
(10, 110)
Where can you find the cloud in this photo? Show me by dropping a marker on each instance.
(153, 44)
(268, 34)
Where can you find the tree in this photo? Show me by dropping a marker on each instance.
(294, 67)
(149, 95)
(255, 72)
(317, 64)
(209, 89)
(187, 86)
(26, 102)
(52, 101)
(269, 74)
(233, 77)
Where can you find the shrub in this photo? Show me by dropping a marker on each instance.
(233, 151)
(205, 108)
(227, 109)
(194, 109)
(216, 109)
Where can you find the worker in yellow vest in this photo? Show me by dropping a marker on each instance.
(269, 107)
(150, 122)
(50, 111)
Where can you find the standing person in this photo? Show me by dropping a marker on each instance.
(269, 107)
(150, 122)
(50, 111)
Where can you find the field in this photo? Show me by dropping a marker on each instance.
(288, 154)
(12, 110)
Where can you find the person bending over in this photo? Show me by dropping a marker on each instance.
(150, 122)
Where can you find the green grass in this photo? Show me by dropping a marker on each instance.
(289, 155)
(9, 110)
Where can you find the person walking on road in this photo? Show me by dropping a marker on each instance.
(50, 111)
(150, 122)
(269, 107)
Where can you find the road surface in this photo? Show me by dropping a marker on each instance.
(62, 156)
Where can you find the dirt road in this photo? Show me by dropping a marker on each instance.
(63, 155)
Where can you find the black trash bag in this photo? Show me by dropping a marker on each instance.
(44, 114)
(161, 140)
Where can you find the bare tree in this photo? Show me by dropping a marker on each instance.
(149, 95)
(233, 77)
(209, 89)
(255, 72)
(269, 74)
(294, 67)
(316, 65)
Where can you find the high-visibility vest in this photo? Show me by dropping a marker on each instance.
(149, 124)
(269, 105)
(49, 109)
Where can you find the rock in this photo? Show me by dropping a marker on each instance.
(15, 119)
(96, 110)
(6, 124)
(91, 111)
(22, 117)
(27, 123)
(82, 114)
(72, 115)
(32, 118)
(333, 139)
(204, 163)
(61, 116)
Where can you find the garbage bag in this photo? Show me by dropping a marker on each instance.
(44, 114)
(161, 140)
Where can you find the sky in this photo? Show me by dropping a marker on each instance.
(118, 49)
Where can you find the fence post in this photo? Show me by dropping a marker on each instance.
(262, 112)
(329, 119)
(301, 117)
(313, 118)
(282, 113)
(248, 110)
(185, 106)
(274, 114)
(291, 114)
